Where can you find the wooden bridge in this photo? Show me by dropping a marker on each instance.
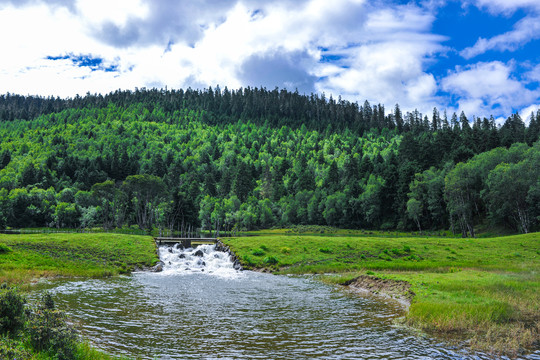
(186, 242)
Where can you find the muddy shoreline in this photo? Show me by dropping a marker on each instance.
(398, 290)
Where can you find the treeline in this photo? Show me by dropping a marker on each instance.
(262, 106)
(177, 160)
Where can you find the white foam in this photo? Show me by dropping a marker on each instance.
(188, 261)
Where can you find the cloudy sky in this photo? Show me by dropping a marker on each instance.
(480, 56)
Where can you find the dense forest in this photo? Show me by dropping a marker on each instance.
(251, 158)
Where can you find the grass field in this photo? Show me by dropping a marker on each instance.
(485, 291)
(24, 258)
(300, 254)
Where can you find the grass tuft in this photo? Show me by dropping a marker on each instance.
(4, 248)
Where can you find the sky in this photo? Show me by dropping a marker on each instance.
(477, 56)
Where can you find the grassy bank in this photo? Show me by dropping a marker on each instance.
(483, 290)
(24, 258)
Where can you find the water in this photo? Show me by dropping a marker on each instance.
(196, 311)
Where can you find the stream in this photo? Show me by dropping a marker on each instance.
(200, 307)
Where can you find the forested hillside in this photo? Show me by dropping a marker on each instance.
(253, 158)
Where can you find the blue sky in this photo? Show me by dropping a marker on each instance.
(477, 56)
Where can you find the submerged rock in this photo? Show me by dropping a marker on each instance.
(158, 267)
(199, 253)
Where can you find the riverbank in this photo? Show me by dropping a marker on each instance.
(482, 292)
(27, 258)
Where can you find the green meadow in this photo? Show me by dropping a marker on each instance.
(481, 291)
(26, 258)
(300, 254)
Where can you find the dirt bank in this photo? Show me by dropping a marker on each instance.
(394, 289)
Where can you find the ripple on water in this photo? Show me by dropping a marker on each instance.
(227, 314)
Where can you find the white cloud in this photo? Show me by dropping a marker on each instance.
(378, 52)
(359, 49)
(506, 6)
(388, 63)
(526, 30)
(118, 11)
(534, 74)
(488, 88)
(526, 112)
(35, 33)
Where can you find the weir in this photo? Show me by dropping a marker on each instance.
(197, 255)
(185, 242)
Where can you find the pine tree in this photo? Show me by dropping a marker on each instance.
(435, 121)
(398, 117)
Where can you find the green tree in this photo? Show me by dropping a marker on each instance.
(267, 218)
(110, 199)
(334, 210)
(370, 200)
(243, 183)
(66, 215)
(205, 212)
(146, 193)
(462, 193)
(304, 176)
(332, 179)
(508, 192)
(414, 211)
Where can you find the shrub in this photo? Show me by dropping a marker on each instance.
(384, 256)
(246, 260)
(49, 332)
(257, 252)
(286, 250)
(271, 260)
(4, 248)
(264, 247)
(11, 349)
(12, 315)
(406, 248)
(325, 250)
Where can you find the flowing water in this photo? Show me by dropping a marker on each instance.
(200, 307)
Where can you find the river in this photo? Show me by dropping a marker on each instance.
(199, 307)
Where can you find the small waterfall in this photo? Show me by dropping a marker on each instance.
(203, 259)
